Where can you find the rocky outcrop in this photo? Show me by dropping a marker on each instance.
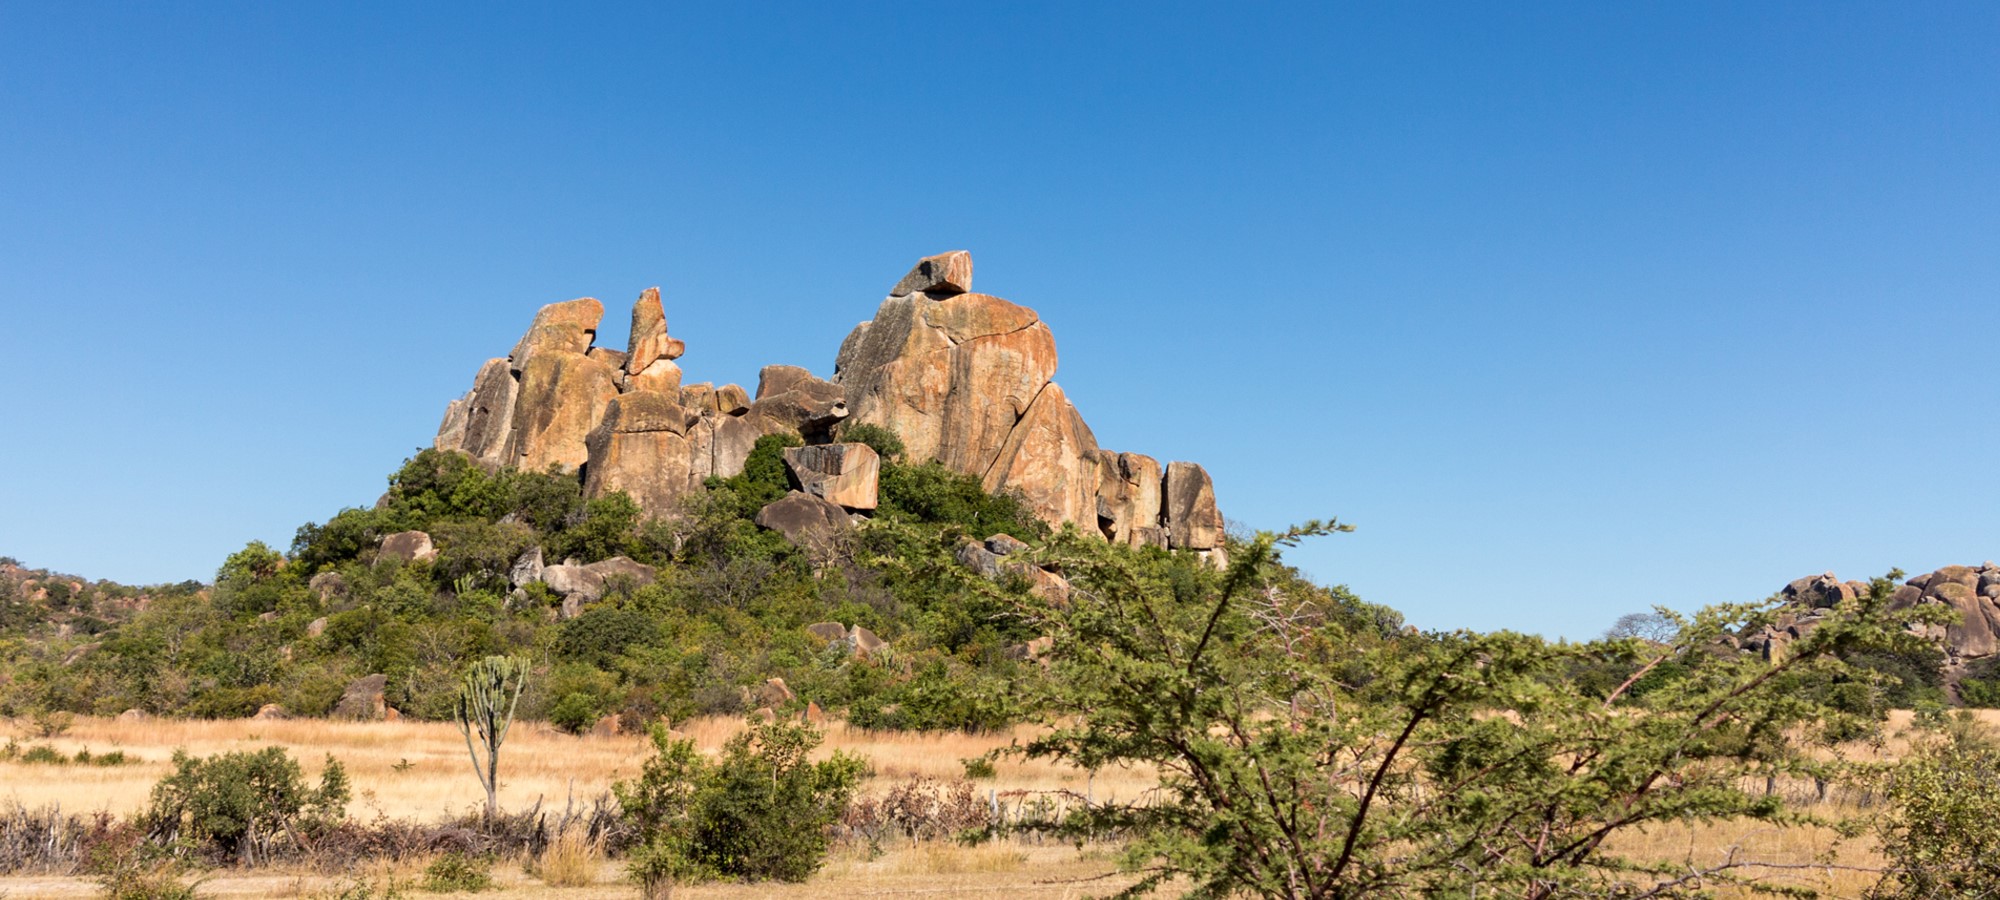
(966, 379)
(963, 378)
(365, 699)
(842, 474)
(1973, 592)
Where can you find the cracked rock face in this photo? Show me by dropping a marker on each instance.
(963, 378)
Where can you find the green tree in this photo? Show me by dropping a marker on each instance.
(1302, 755)
(485, 707)
(1942, 833)
(761, 810)
(237, 805)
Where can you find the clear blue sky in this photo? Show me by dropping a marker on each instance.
(1571, 309)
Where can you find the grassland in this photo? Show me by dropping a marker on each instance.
(419, 770)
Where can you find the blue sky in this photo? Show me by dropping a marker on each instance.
(1571, 309)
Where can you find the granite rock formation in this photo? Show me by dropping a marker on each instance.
(963, 378)
(1973, 592)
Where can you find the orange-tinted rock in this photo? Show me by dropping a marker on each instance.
(1051, 459)
(732, 400)
(480, 423)
(562, 397)
(405, 547)
(994, 379)
(567, 327)
(1128, 498)
(896, 370)
(945, 273)
(842, 474)
(649, 343)
(1193, 521)
(969, 316)
(641, 448)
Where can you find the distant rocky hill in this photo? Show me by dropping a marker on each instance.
(1972, 591)
(962, 378)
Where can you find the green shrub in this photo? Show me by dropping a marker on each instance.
(931, 493)
(884, 442)
(457, 872)
(236, 805)
(760, 811)
(1942, 836)
(45, 754)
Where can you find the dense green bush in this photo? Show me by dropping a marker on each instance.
(760, 811)
(1942, 834)
(236, 805)
(884, 442)
(457, 872)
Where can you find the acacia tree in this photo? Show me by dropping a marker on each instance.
(1302, 754)
(485, 706)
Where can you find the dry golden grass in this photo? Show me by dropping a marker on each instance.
(571, 860)
(420, 770)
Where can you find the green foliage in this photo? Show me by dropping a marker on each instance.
(884, 442)
(236, 805)
(1979, 688)
(1942, 835)
(930, 493)
(457, 872)
(760, 811)
(1304, 752)
(608, 528)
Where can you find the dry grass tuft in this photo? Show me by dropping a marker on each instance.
(571, 860)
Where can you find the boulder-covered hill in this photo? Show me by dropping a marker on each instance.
(962, 378)
(1973, 592)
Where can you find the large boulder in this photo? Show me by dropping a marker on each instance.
(641, 447)
(481, 424)
(1128, 498)
(803, 519)
(843, 474)
(806, 406)
(527, 568)
(365, 699)
(777, 379)
(567, 327)
(405, 547)
(1050, 459)
(561, 400)
(946, 273)
(573, 581)
(622, 569)
(649, 343)
(1192, 519)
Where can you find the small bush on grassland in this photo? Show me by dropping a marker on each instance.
(237, 805)
(1942, 836)
(760, 811)
(455, 872)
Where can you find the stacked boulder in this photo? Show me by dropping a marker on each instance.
(965, 379)
(1973, 592)
(623, 419)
